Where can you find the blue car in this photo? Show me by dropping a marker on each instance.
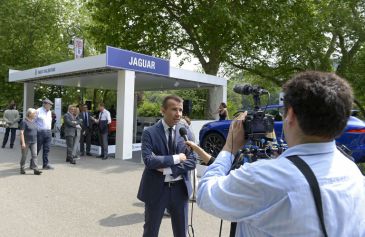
(213, 135)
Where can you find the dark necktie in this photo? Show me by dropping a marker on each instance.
(170, 143)
(100, 123)
(86, 123)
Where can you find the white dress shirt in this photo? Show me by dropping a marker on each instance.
(273, 198)
(167, 171)
(43, 119)
(105, 115)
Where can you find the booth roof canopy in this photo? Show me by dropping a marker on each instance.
(92, 72)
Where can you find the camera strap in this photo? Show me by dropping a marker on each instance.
(313, 183)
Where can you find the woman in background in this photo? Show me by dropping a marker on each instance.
(78, 134)
(222, 111)
(11, 118)
(28, 140)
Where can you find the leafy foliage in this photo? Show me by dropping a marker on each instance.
(33, 34)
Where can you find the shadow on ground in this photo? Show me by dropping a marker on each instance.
(9, 172)
(10, 158)
(138, 204)
(115, 221)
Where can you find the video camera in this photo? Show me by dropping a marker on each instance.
(257, 126)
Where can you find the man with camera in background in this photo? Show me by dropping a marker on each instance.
(273, 197)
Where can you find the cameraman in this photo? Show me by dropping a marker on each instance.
(272, 197)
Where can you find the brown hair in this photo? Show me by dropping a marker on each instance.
(321, 101)
(171, 97)
(187, 119)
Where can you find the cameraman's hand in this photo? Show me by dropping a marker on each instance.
(236, 135)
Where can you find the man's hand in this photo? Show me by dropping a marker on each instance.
(236, 135)
(182, 157)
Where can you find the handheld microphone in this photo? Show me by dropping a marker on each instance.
(184, 133)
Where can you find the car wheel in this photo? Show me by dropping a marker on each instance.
(213, 143)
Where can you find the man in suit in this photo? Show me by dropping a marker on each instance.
(11, 118)
(86, 130)
(165, 181)
(103, 128)
(70, 123)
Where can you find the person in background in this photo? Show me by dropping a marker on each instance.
(70, 124)
(44, 134)
(222, 111)
(54, 120)
(78, 134)
(103, 123)
(11, 118)
(28, 141)
(86, 125)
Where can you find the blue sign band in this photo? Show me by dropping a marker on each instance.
(124, 59)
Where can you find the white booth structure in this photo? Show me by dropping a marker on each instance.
(123, 71)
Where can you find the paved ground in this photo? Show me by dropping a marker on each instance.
(93, 198)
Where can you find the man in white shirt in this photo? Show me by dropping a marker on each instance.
(272, 197)
(44, 134)
(103, 121)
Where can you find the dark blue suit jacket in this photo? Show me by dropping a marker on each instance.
(154, 154)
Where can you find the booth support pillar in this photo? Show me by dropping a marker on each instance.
(28, 97)
(217, 95)
(125, 112)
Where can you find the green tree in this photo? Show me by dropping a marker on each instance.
(206, 30)
(33, 33)
(318, 35)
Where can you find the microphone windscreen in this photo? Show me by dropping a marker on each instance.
(183, 132)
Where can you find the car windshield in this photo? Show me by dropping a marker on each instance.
(357, 114)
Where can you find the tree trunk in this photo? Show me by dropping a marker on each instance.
(211, 67)
(105, 95)
(95, 92)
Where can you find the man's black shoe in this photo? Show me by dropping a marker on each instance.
(68, 160)
(73, 162)
(3, 146)
(48, 167)
(22, 171)
(11, 146)
(37, 172)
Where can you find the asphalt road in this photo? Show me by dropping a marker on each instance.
(93, 198)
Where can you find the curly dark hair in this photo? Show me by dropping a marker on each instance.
(321, 101)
